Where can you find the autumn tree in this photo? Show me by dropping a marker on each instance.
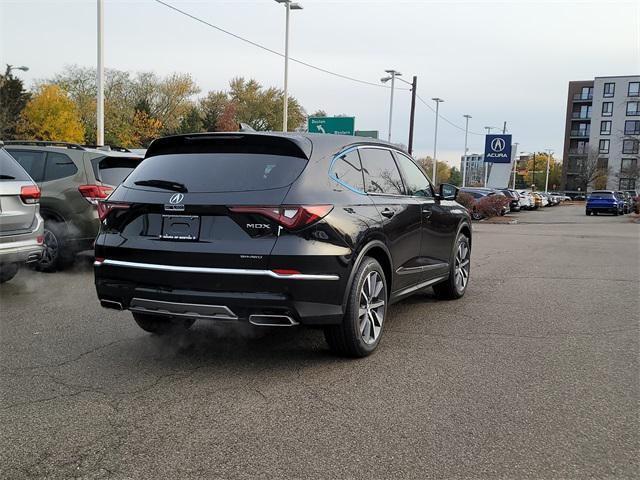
(51, 115)
(443, 172)
(13, 99)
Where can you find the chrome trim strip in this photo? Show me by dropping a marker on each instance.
(213, 270)
(423, 268)
(419, 286)
(252, 321)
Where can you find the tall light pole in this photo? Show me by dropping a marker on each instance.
(466, 149)
(435, 138)
(289, 5)
(546, 180)
(392, 76)
(100, 77)
(515, 162)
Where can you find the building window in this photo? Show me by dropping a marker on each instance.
(632, 127)
(604, 146)
(633, 108)
(634, 89)
(607, 109)
(628, 164)
(627, 184)
(630, 146)
(609, 90)
(605, 127)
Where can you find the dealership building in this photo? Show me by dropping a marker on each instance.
(474, 163)
(602, 126)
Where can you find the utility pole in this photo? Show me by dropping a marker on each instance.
(414, 88)
(464, 156)
(435, 139)
(100, 77)
(546, 181)
(504, 128)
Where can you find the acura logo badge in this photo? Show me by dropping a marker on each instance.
(176, 198)
(497, 144)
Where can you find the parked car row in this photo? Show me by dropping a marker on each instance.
(609, 201)
(514, 200)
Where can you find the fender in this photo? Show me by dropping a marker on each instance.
(356, 264)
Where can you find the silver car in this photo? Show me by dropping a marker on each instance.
(21, 226)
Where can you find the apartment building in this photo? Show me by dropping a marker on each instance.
(602, 128)
(475, 169)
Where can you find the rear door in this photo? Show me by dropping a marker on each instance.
(16, 215)
(401, 214)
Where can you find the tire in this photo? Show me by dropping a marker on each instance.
(56, 255)
(616, 213)
(588, 212)
(8, 271)
(161, 325)
(476, 216)
(595, 213)
(456, 284)
(362, 326)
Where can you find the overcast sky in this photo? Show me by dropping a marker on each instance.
(495, 60)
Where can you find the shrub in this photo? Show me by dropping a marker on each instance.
(466, 200)
(491, 205)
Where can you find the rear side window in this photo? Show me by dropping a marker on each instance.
(416, 182)
(10, 169)
(348, 170)
(59, 166)
(381, 174)
(113, 170)
(219, 172)
(31, 161)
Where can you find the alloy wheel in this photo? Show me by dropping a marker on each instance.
(372, 307)
(462, 266)
(51, 247)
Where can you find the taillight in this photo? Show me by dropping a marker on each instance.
(289, 216)
(30, 194)
(94, 193)
(105, 208)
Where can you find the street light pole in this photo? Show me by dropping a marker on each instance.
(8, 71)
(515, 162)
(464, 156)
(289, 5)
(392, 76)
(100, 77)
(435, 139)
(546, 181)
(533, 174)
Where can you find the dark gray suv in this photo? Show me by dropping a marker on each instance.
(72, 178)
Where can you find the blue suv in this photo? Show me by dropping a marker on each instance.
(604, 201)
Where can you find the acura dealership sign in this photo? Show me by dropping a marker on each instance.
(497, 149)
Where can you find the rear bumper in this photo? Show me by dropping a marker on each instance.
(22, 248)
(308, 299)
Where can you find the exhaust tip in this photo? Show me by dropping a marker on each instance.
(272, 321)
(111, 304)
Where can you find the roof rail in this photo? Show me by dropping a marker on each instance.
(109, 148)
(43, 143)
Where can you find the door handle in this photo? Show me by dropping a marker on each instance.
(387, 212)
(426, 213)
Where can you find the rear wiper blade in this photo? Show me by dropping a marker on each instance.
(164, 184)
(7, 177)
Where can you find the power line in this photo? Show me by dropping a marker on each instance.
(446, 119)
(270, 50)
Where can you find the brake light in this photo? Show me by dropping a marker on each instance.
(289, 216)
(95, 193)
(30, 194)
(105, 208)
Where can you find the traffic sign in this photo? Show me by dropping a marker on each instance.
(336, 125)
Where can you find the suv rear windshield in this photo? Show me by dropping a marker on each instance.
(601, 195)
(10, 169)
(219, 172)
(113, 170)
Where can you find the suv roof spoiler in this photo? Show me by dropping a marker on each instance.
(233, 142)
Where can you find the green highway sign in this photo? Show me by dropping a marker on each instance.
(336, 125)
(368, 133)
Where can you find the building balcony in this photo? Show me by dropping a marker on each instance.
(580, 133)
(581, 115)
(582, 97)
(578, 151)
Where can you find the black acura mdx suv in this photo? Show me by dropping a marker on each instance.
(280, 230)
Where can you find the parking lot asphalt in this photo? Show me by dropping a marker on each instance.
(533, 374)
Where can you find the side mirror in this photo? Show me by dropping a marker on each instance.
(448, 191)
